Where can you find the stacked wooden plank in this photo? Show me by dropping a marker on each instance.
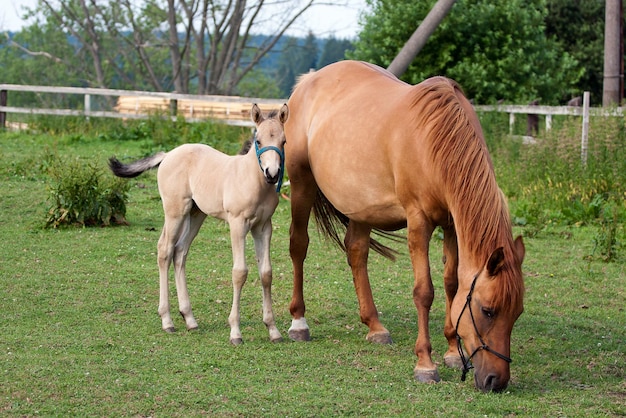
(237, 109)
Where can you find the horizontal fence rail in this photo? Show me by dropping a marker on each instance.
(235, 110)
(232, 110)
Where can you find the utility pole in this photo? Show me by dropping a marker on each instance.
(612, 92)
(417, 41)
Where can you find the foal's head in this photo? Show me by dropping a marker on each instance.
(270, 136)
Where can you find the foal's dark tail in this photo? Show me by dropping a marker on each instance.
(136, 168)
(330, 221)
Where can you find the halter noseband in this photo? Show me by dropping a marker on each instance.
(467, 362)
(281, 154)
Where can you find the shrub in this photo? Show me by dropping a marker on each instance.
(82, 195)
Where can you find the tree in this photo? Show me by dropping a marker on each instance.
(296, 58)
(201, 44)
(334, 50)
(496, 49)
(578, 26)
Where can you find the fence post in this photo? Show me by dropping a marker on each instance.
(585, 136)
(511, 122)
(87, 105)
(3, 115)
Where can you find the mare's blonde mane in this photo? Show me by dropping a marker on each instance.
(461, 158)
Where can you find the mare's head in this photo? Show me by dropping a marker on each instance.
(269, 142)
(485, 316)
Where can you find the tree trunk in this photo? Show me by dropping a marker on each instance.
(417, 41)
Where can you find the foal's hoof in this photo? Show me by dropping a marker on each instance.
(299, 335)
(277, 340)
(379, 338)
(454, 362)
(236, 341)
(426, 376)
(169, 330)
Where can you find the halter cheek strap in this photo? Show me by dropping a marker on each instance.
(467, 362)
(281, 154)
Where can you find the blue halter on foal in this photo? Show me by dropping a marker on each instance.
(467, 362)
(280, 152)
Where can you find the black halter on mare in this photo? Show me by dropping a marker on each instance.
(467, 362)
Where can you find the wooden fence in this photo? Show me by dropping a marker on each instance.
(129, 104)
(235, 110)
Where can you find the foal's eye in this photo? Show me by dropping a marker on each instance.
(489, 313)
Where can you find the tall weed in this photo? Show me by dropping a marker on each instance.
(81, 194)
(547, 182)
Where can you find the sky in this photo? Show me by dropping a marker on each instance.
(322, 20)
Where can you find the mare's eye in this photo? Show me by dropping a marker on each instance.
(489, 313)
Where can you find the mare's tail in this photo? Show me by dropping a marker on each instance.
(329, 221)
(136, 168)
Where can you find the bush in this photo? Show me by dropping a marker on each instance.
(82, 195)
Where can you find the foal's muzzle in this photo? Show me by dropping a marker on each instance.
(269, 178)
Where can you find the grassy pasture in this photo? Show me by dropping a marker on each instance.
(81, 336)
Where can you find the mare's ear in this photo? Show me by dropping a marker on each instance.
(283, 114)
(496, 261)
(256, 115)
(520, 249)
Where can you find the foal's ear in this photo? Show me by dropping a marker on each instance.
(255, 114)
(496, 261)
(283, 114)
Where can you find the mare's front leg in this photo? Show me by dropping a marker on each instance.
(262, 235)
(419, 233)
(303, 193)
(451, 283)
(238, 230)
(357, 243)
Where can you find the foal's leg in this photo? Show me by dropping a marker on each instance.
(194, 222)
(303, 193)
(451, 283)
(173, 227)
(238, 230)
(419, 232)
(357, 246)
(262, 235)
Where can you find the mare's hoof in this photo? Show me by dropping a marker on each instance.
(169, 330)
(379, 338)
(426, 376)
(299, 335)
(236, 341)
(454, 362)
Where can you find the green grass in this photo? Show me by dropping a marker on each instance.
(81, 336)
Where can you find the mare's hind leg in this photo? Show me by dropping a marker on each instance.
(181, 250)
(262, 235)
(357, 246)
(303, 193)
(451, 283)
(419, 233)
(238, 231)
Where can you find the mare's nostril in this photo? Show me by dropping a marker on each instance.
(492, 383)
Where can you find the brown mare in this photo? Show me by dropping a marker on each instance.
(196, 180)
(369, 152)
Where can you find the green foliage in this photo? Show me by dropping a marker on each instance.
(496, 50)
(578, 26)
(547, 183)
(81, 194)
